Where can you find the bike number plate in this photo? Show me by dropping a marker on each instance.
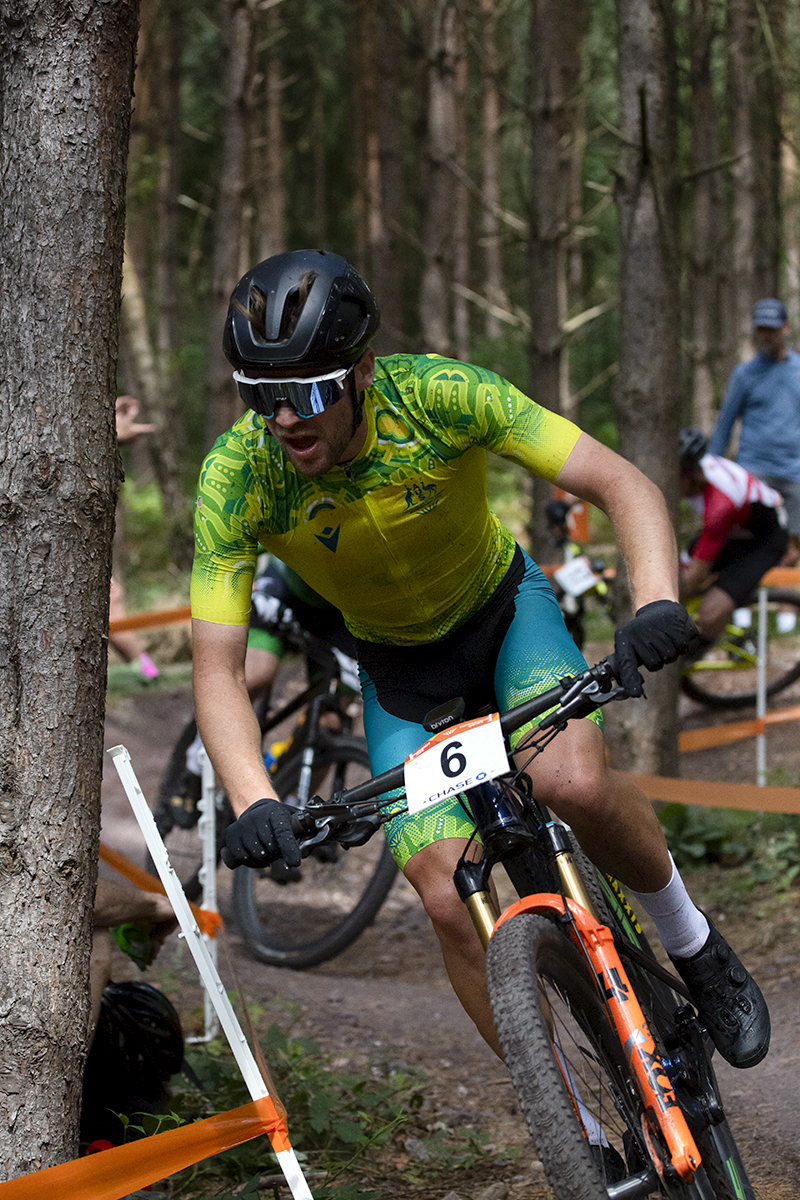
(454, 760)
(576, 576)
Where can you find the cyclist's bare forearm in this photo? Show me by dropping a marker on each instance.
(225, 717)
(638, 512)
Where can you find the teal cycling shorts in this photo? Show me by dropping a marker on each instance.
(534, 651)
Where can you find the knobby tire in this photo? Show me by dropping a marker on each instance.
(554, 1028)
(723, 1172)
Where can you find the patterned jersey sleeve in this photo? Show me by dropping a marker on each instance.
(478, 406)
(225, 542)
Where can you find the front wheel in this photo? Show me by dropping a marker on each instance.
(568, 1068)
(725, 676)
(301, 922)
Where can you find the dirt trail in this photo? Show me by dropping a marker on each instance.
(386, 999)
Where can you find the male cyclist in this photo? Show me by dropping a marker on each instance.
(744, 532)
(367, 477)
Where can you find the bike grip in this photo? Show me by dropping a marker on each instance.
(611, 662)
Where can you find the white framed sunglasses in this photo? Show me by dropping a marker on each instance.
(308, 397)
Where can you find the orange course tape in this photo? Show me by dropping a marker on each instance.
(208, 921)
(169, 616)
(781, 577)
(747, 796)
(734, 731)
(114, 1173)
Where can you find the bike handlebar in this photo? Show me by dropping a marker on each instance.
(573, 696)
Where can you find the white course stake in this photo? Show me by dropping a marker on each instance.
(207, 830)
(761, 687)
(209, 975)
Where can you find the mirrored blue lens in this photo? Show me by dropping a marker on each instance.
(307, 399)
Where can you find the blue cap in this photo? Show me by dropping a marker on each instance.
(769, 314)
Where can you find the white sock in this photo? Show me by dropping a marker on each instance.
(681, 927)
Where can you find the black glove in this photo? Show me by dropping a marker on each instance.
(658, 634)
(262, 834)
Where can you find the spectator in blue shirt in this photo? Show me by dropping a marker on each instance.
(764, 394)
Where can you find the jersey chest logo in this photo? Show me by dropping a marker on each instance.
(329, 538)
(422, 497)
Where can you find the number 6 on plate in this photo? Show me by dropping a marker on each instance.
(454, 760)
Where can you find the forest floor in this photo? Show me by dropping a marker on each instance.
(386, 1000)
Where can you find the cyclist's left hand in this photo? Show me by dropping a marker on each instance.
(659, 633)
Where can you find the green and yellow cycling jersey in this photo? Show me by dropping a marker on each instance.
(402, 540)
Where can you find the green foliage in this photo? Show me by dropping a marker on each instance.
(768, 844)
(334, 1117)
(148, 568)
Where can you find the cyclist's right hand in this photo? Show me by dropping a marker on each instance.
(262, 834)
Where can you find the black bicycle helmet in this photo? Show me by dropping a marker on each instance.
(140, 1034)
(333, 327)
(693, 444)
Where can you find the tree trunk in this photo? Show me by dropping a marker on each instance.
(494, 287)
(270, 200)
(556, 119)
(790, 210)
(461, 213)
(230, 255)
(707, 221)
(772, 36)
(365, 107)
(647, 394)
(444, 51)
(754, 30)
(66, 87)
(741, 99)
(387, 252)
(152, 276)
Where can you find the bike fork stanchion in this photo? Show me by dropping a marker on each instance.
(761, 688)
(207, 829)
(275, 1125)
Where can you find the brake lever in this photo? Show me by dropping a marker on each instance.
(330, 816)
(580, 699)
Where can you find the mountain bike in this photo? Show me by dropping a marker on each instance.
(611, 1064)
(290, 918)
(725, 675)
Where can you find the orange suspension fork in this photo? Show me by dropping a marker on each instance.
(634, 1034)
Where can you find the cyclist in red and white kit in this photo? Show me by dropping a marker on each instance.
(744, 532)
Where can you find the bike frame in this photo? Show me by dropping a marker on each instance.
(508, 822)
(595, 941)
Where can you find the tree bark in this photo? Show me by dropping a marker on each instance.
(387, 256)
(230, 243)
(491, 111)
(556, 123)
(445, 50)
(270, 201)
(707, 221)
(647, 393)
(65, 91)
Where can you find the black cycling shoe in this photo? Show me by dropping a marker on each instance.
(728, 1000)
